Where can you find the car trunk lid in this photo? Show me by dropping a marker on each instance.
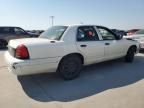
(38, 48)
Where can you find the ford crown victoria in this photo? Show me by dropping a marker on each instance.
(66, 49)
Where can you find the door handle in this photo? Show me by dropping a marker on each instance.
(83, 45)
(107, 43)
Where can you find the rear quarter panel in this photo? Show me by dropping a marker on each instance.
(44, 50)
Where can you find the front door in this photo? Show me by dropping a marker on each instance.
(113, 47)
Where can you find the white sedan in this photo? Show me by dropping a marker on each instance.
(138, 36)
(66, 49)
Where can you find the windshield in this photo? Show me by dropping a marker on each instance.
(140, 32)
(54, 33)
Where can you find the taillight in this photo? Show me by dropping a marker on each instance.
(22, 52)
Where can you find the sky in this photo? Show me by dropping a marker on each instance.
(35, 14)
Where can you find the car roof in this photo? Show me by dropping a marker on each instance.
(82, 25)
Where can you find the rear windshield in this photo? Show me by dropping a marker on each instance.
(140, 32)
(54, 33)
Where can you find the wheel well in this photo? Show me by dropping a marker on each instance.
(73, 54)
(133, 47)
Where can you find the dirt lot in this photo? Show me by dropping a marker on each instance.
(113, 84)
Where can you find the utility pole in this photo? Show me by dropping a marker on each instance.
(52, 19)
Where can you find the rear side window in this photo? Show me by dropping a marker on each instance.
(87, 33)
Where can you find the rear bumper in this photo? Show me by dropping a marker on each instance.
(28, 67)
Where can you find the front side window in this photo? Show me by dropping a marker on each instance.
(106, 34)
(87, 33)
(54, 33)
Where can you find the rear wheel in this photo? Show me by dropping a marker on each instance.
(70, 67)
(130, 55)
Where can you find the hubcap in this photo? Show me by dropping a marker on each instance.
(70, 69)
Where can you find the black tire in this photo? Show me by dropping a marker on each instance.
(3, 44)
(130, 55)
(70, 67)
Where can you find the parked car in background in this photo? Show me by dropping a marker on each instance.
(123, 32)
(66, 49)
(138, 36)
(119, 32)
(35, 32)
(131, 32)
(8, 33)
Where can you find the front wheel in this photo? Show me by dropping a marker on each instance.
(130, 55)
(70, 67)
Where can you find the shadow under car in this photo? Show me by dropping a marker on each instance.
(93, 79)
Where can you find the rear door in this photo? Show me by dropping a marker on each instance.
(88, 43)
